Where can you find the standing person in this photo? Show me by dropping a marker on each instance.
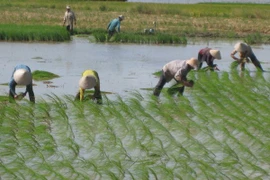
(21, 76)
(89, 80)
(209, 55)
(69, 19)
(114, 26)
(245, 55)
(178, 70)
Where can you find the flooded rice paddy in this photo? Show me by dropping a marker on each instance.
(123, 68)
(219, 129)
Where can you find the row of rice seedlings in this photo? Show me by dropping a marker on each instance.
(12, 32)
(143, 137)
(125, 37)
(158, 38)
(232, 124)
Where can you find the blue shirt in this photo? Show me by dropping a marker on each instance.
(114, 24)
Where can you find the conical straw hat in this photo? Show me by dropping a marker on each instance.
(87, 82)
(215, 54)
(240, 47)
(193, 62)
(22, 77)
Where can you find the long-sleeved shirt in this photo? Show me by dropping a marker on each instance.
(177, 69)
(90, 73)
(12, 83)
(249, 52)
(114, 25)
(204, 55)
(69, 18)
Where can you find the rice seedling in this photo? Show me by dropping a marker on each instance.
(39, 75)
(12, 32)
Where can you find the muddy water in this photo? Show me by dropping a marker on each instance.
(123, 68)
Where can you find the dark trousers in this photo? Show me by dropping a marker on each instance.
(162, 81)
(200, 60)
(110, 34)
(256, 62)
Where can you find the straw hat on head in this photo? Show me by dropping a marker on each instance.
(22, 77)
(121, 17)
(193, 62)
(215, 54)
(241, 47)
(68, 7)
(87, 82)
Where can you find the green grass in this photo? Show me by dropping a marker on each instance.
(174, 22)
(219, 129)
(43, 75)
(12, 32)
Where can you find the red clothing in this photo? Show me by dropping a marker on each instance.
(204, 55)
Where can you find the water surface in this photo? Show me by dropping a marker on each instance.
(122, 68)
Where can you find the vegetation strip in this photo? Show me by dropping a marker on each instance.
(172, 21)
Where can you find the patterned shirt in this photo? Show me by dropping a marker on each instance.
(177, 69)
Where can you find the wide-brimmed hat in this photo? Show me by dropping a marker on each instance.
(241, 47)
(215, 54)
(121, 17)
(193, 62)
(68, 7)
(87, 82)
(22, 77)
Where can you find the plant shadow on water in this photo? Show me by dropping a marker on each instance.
(141, 135)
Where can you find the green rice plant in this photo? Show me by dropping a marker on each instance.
(39, 75)
(219, 125)
(13, 32)
(159, 38)
(254, 38)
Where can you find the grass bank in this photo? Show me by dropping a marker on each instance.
(210, 20)
(13, 32)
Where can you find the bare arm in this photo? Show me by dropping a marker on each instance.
(233, 55)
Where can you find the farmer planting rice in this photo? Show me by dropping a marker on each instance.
(21, 76)
(178, 70)
(209, 55)
(69, 19)
(245, 55)
(89, 80)
(114, 26)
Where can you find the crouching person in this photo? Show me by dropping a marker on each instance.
(209, 55)
(21, 76)
(178, 70)
(89, 80)
(245, 55)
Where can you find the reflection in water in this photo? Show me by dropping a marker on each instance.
(122, 67)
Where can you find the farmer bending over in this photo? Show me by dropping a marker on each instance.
(178, 70)
(114, 26)
(245, 55)
(209, 55)
(21, 76)
(89, 80)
